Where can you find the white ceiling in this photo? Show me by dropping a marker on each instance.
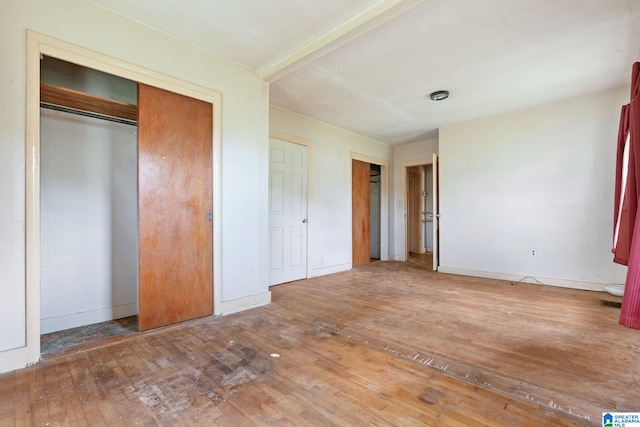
(369, 65)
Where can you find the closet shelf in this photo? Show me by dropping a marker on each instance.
(58, 96)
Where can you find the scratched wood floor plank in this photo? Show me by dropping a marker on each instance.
(526, 331)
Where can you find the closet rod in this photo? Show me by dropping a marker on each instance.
(85, 113)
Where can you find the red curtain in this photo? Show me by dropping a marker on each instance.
(626, 231)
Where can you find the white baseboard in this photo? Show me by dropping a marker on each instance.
(18, 358)
(67, 321)
(11, 360)
(241, 304)
(323, 271)
(527, 278)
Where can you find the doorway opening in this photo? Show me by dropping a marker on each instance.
(108, 168)
(88, 206)
(421, 191)
(368, 202)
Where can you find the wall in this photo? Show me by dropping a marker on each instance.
(72, 76)
(330, 185)
(88, 216)
(244, 147)
(413, 154)
(538, 179)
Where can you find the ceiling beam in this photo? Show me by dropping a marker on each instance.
(366, 20)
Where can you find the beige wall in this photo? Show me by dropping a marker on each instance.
(541, 179)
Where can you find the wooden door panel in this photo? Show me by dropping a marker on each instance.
(361, 224)
(414, 216)
(174, 203)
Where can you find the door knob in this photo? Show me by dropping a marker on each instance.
(304, 221)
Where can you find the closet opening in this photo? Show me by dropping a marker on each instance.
(176, 186)
(88, 205)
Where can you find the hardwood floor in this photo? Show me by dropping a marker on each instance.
(384, 344)
(423, 260)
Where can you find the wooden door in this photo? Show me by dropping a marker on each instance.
(361, 221)
(175, 256)
(287, 211)
(414, 210)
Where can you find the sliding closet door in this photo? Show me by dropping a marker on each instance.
(361, 217)
(174, 208)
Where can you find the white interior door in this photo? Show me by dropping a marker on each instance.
(436, 213)
(287, 211)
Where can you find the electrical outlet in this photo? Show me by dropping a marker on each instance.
(533, 252)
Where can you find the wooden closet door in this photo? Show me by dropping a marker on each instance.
(175, 258)
(361, 205)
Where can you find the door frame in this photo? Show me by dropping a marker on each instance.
(38, 45)
(405, 207)
(384, 200)
(307, 143)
